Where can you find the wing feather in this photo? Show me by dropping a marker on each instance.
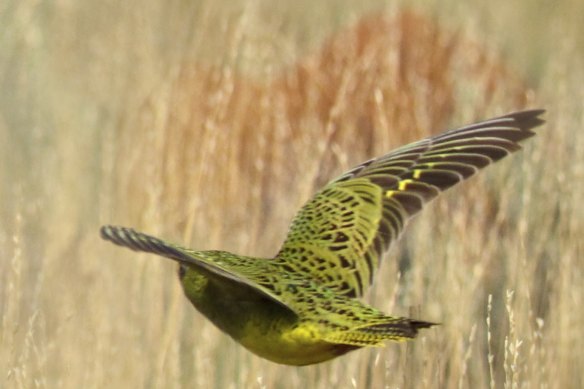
(348, 224)
(217, 269)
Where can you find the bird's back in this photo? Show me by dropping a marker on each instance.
(286, 317)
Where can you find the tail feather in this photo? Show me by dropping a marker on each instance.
(396, 329)
(417, 324)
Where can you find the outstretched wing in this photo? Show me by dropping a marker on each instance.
(339, 236)
(214, 265)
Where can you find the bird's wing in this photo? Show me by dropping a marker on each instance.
(339, 236)
(212, 266)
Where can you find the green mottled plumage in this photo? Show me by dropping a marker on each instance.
(301, 307)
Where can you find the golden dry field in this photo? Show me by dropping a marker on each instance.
(210, 123)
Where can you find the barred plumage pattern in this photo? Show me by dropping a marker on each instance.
(339, 236)
(302, 306)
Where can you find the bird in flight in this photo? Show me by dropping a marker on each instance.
(303, 305)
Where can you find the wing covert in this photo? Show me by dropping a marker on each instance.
(338, 237)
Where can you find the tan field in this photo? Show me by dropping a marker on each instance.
(209, 123)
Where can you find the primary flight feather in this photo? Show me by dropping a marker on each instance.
(302, 306)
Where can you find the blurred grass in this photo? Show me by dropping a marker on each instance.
(212, 122)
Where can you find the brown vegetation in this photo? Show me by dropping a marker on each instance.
(382, 82)
(111, 116)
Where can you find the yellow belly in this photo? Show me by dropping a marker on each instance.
(300, 345)
(265, 328)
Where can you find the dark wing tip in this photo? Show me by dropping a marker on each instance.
(527, 114)
(118, 235)
(526, 120)
(132, 239)
(107, 232)
(499, 127)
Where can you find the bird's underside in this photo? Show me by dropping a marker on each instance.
(302, 306)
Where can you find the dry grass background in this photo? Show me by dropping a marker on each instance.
(212, 122)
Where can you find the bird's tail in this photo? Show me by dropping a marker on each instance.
(396, 329)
